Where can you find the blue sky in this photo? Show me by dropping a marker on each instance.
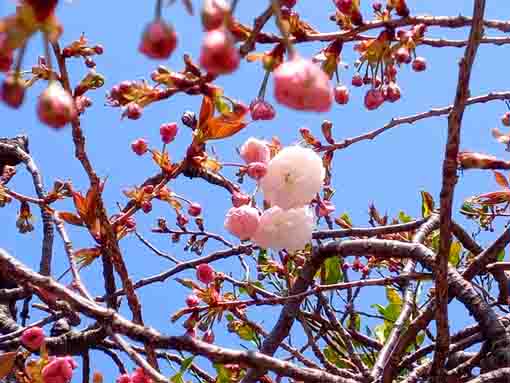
(389, 171)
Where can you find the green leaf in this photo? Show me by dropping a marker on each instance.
(392, 311)
(221, 105)
(501, 256)
(454, 256)
(382, 331)
(427, 204)
(380, 308)
(223, 374)
(404, 218)
(393, 296)
(346, 218)
(245, 332)
(177, 378)
(229, 317)
(186, 363)
(357, 322)
(332, 266)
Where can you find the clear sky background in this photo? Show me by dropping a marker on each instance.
(389, 171)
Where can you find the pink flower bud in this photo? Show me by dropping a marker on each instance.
(254, 150)
(133, 111)
(194, 209)
(140, 376)
(158, 40)
(205, 273)
(505, 119)
(168, 132)
(288, 3)
(373, 99)
(182, 220)
(344, 6)
(257, 170)
(33, 338)
(139, 146)
(392, 93)
(213, 14)
(148, 189)
(419, 64)
(261, 110)
(124, 378)
(402, 55)
(59, 370)
(242, 221)
(208, 336)
(192, 300)
(240, 199)
(13, 91)
(219, 54)
(55, 107)
(302, 85)
(146, 206)
(341, 94)
(357, 80)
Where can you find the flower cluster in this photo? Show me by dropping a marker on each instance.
(291, 179)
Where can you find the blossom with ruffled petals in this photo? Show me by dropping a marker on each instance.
(255, 150)
(294, 176)
(242, 221)
(33, 338)
(59, 370)
(284, 229)
(300, 84)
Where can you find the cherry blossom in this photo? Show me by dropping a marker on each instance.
(294, 176)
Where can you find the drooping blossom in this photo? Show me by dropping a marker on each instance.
(255, 150)
(55, 106)
(242, 221)
(219, 54)
(33, 338)
(261, 110)
(59, 370)
(158, 40)
(205, 273)
(257, 170)
(284, 229)
(294, 176)
(239, 199)
(300, 84)
(213, 13)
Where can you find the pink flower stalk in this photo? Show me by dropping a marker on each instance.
(302, 85)
(219, 54)
(33, 338)
(205, 273)
(55, 107)
(59, 370)
(158, 40)
(255, 150)
(284, 229)
(294, 176)
(242, 221)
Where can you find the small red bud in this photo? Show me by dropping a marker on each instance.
(13, 91)
(192, 300)
(208, 337)
(194, 209)
(357, 80)
(261, 110)
(419, 64)
(505, 119)
(392, 93)
(146, 206)
(341, 94)
(55, 107)
(139, 146)
(148, 189)
(373, 99)
(134, 111)
(168, 132)
(182, 220)
(205, 273)
(158, 40)
(402, 55)
(98, 49)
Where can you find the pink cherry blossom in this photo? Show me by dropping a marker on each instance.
(59, 370)
(302, 85)
(284, 229)
(140, 376)
(255, 150)
(242, 221)
(205, 273)
(294, 176)
(124, 378)
(33, 338)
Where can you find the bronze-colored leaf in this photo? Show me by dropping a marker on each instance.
(7, 363)
(70, 218)
(501, 180)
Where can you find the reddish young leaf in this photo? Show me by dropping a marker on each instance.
(501, 180)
